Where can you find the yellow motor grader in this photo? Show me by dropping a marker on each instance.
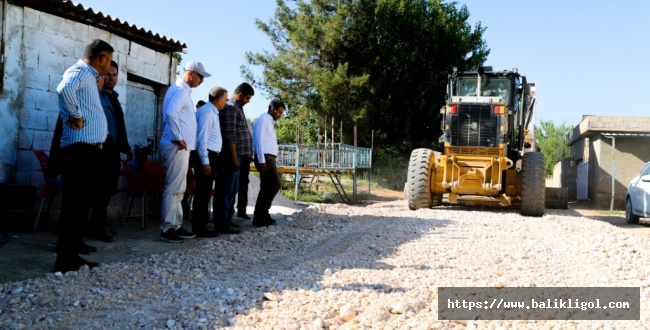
(484, 159)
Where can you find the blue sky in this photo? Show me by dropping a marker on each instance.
(586, 57)
(217, 33)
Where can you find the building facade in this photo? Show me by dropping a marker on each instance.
(606, 153)
(40, 39)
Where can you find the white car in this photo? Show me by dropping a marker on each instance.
(637, 201)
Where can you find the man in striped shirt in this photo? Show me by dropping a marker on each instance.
(84, 131)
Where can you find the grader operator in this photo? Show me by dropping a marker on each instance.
(484, 124)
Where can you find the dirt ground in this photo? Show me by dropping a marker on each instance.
(28, 254)
(615, 218)
(25, 255)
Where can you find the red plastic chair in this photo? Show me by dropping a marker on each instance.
(154, 175)
(133, 188)
(155, 180)
(189, 191)
(51, 184)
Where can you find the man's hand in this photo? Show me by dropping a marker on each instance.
(207, 170)
(75, 123)
(262, 167)
(235, 164)
(129, 155)
(181, 144)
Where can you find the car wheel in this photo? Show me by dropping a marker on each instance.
(629, 215)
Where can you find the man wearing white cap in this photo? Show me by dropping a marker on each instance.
(178, 139)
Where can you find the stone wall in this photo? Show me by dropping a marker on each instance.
(39, 48)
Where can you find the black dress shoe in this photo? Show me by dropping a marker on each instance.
(205, 233)
(263, 221)
(72, 263)
(232, 224)
(227, 230)
(243, 216)
(85, 249)
(103, 234)
(88, 247)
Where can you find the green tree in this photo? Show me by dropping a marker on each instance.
(302, 123)
(378, 64)
(552, 142)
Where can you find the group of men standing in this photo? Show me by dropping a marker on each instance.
(214, 140)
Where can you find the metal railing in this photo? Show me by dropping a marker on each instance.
(336, 156)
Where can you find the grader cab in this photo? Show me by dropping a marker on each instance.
(485, 159)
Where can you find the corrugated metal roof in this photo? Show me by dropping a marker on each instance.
(77, 12)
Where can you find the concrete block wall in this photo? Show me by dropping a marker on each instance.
(630, 154)
(11, 94)
(39, 48)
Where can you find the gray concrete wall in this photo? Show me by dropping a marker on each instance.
(559, 177)
(11, 97)
(630, 155)
(39, 48)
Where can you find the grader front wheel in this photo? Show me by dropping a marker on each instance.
(418, 183)
(533, 184)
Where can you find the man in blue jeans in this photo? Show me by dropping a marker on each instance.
(237, 143)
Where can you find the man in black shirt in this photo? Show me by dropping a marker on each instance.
(116, 143)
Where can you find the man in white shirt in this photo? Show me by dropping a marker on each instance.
(178, 138)
(205, 159)
(265, 144)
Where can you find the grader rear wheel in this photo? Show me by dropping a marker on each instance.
(533, 184)
(418, 183)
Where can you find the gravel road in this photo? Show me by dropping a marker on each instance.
(341, 267)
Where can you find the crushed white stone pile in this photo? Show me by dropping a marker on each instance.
(341, 267)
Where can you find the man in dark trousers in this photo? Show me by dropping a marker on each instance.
(205, 159)
(236, 144)
(116, 143)
(84, 131)
(265, 143)
(242, 195)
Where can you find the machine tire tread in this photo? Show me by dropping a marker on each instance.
(419, 179)
(533, 194)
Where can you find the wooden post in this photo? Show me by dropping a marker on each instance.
(354, 165)
(332, 141)
(325, 132)
(332, 132)
(341, 132)
(295, 194)
(297, 134)
(372, 141)
(325, 135)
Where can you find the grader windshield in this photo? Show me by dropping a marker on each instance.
(490, 86)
